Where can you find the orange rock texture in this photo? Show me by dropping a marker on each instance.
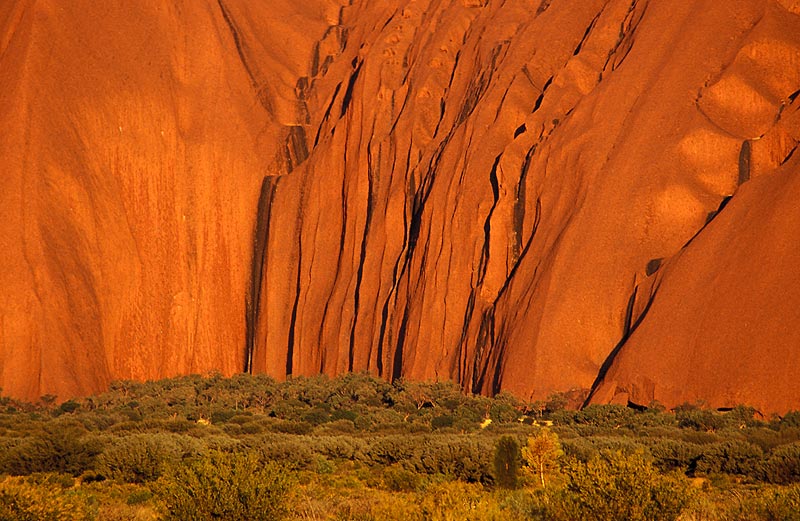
(531, 196)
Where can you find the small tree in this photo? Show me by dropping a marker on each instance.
(541, 453)
(507, 462)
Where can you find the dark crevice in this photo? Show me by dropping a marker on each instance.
(399, 112)
(501, 104)
(361, 261)
(711, 216)
(487, 224)
(721, 207)
(744, 162)
(340, 34)
(261, 93)
(520, 130)
(586, 35)
(295, 147)
(628, 328)
(519, 204)
(541, 95)
(327, 114)
(397, 363)
(624, 44)
(315, 59)
(348, 93)
(653, 265)
(477, 88)
(543, 6)
(485, 338)
(442, 106)
(468, 311)
(297, 289)
(788, 156)
(293, 319)
(257, 267)
(384, 322)
(386, 304)
(536, 221)
(474, 93)
(420, 198)
(497, 377)
(453, 71)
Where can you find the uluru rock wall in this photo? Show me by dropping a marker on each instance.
(136, 137)
(530, 196)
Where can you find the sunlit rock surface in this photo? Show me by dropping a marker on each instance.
(524, 196)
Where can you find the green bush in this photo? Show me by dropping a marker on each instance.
(58, 448)
(399, 479)
(692, 417)
(619, 486)
(613, 416)
(783, 465)
(790, 420)
(763, 504)
(387, 450)
(442, 421)
(674, 454)
(22, 499)
(465, 458)
(455, 501)
(140, 458)
(234, 487)
(294, 452)
(730, 457)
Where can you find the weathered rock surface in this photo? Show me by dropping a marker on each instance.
(515, 195)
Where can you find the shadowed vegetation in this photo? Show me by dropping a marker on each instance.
(355, 447)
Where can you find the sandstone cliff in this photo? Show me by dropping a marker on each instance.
(532, 195)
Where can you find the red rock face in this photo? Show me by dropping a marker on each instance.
(513, 195)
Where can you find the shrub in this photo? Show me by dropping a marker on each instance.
(613, 416)
(338, 447)
(343, 414)
(234, 487)
(730, 457)
(316, 416)
(139, 458)
(456, 501)
(768, 504)
(783, 465)
(442, 421)
(68, 407)
(295, 452)
(398, 479)
(391, 449)
(460, 457)
(505, 408)
(64, 449)
(22, 499)
(618, 486)
(691, 417)
(674, 454)
(790, 420)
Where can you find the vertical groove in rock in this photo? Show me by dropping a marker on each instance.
(258, 266)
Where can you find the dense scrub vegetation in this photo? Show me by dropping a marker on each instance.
(355, 447)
